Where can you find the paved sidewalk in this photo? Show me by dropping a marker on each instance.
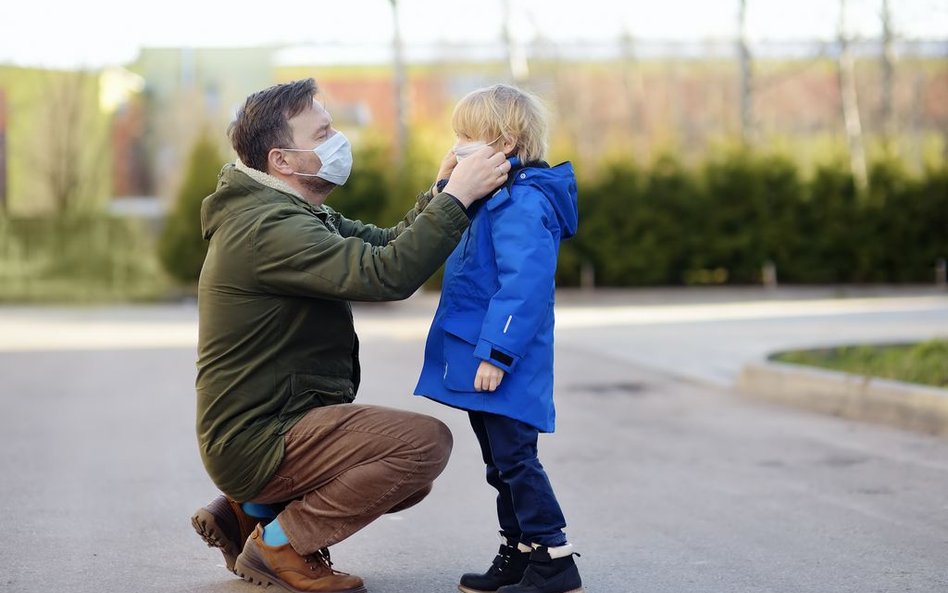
(670, 483)
(702, 334)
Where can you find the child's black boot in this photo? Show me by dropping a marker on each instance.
(550, 570)
(507, 569)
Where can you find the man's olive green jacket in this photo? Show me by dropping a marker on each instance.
(276, 337)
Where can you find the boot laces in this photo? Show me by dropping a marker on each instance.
(320, 561)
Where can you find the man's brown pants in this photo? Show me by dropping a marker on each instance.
(347, 465)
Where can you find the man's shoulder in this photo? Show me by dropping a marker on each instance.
(250, 194)
(261, 204)
(286, 225)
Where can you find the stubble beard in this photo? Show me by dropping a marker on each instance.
(318, 185)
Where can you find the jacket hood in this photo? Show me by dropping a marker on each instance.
(558, 185)
(236, 181)
(214, 209)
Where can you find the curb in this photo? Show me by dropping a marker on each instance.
(907, 406)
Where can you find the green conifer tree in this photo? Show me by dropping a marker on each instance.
(182, 247)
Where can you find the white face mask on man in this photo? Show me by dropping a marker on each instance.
(335, 154)
(465, 150)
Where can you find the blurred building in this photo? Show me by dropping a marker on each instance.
(188, 92)
(617, 99)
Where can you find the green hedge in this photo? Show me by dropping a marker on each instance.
(667, 224)
(79, 258)
(722, 222)
(182, 247)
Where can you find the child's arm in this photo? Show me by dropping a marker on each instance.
(525, 238)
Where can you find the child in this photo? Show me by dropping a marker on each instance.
(490, 347)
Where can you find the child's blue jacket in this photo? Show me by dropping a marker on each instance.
(497, 299)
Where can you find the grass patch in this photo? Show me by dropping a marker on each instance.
(925, 362)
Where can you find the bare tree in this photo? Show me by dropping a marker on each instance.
(850, 104)
(888, 75)
(747, 89)
(634, 88)
(400, 81)
(71, 140)
(4, 207)
(517, 66)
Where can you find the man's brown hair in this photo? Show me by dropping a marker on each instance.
(262, 121)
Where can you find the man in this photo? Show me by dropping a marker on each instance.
(302, 467)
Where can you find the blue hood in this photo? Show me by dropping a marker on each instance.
(558, 185)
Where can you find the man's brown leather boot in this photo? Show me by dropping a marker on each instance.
(223, 524)
(281, 565)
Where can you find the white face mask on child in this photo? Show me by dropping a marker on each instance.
(465, 150)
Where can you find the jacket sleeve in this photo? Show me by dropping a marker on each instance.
(296, 254)
(525, 239)
(375, 235)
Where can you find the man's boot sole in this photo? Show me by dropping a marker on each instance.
(248, 570)
(205, 524)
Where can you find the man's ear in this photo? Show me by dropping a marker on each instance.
(277, 163)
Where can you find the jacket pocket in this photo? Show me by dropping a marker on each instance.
(309, 391)
(460, 364)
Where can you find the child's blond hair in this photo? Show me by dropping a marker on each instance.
(506, 112)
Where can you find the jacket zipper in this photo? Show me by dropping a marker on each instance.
(467, 240)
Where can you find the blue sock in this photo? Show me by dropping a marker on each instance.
(273, 534)
(260, 511)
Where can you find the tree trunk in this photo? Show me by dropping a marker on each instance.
(517, 67)
(850, 105)
(4, 207)
(747, 91)
(400, 82)
(888, 75)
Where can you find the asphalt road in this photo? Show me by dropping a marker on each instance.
(670, 482)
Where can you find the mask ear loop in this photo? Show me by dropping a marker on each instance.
(315, 150)
(312, 150)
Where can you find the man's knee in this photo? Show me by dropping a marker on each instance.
(411, 500)
(438, 442)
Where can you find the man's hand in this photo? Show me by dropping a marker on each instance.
(478, 175)
(488, 376)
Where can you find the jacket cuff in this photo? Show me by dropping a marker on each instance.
(498, 357)
(424, 199)
(455, 209)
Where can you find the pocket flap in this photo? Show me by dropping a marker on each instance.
(308, 390)
(468, 330)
